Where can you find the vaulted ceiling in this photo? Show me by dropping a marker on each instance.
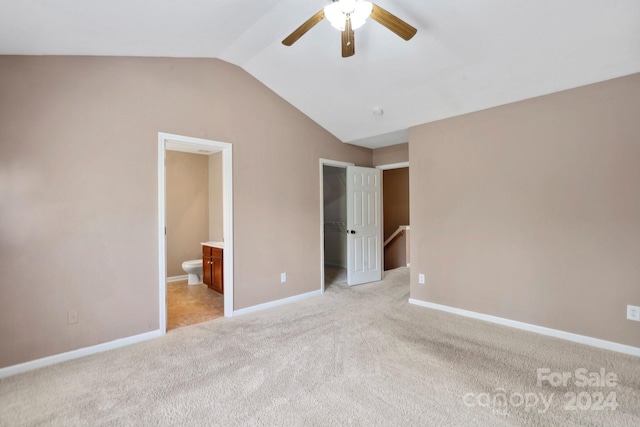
(468, 55)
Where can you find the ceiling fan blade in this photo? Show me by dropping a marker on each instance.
(348, 42)
(302, 29)
(393, 23)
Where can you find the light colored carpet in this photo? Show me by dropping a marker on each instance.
(357, 356)
(334, 276)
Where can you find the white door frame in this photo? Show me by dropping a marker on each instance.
(227, 200)
(393, 166)
(334, 163)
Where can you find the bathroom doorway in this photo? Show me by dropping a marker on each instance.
(210, 161)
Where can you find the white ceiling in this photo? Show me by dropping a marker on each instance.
(468, 55)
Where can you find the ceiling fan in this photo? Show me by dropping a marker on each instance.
(349, 15)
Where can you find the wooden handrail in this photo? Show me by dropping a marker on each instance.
(395, 234)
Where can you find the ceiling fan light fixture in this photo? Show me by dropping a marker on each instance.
(357, 10)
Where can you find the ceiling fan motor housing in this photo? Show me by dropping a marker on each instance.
(357, 11)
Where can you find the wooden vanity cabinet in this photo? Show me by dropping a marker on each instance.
(212, 268)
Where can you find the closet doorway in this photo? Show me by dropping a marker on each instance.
(351, 224)
(334, 232)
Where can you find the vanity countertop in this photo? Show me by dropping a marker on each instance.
(219, 245)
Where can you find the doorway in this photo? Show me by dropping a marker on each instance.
(396, 215)
(351, 224)
(201, 146)
(333, 223)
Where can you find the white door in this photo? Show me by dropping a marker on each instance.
(364, 225)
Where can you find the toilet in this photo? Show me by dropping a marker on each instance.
(194, 269)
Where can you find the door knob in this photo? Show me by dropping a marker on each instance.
(351, 231)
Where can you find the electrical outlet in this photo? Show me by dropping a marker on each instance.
(283, 277)
(72, 317)
(633, 313)
(421, 278)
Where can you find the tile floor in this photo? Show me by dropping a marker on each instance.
(188, 305)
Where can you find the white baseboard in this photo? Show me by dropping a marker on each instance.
(582, 339)
(74, 354)
(177, 278)
(276, 303)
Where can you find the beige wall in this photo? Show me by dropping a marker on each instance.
(391, 155)
(395, 253)
(187, 208)
(531, 211)
(216, 206)
(78, 188)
